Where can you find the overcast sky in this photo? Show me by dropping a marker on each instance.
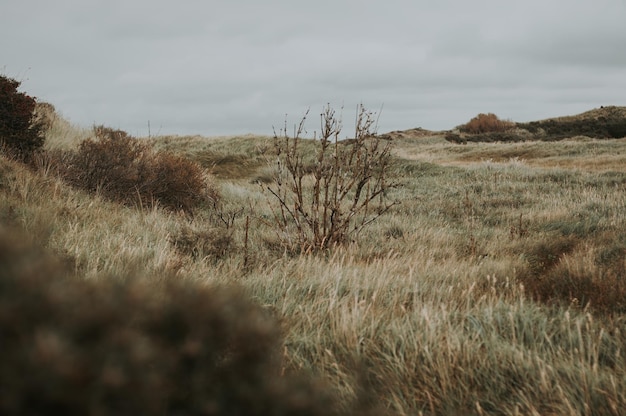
(233, 67)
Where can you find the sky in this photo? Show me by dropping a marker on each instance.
(243, 66)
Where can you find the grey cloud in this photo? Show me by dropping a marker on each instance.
(238, 67)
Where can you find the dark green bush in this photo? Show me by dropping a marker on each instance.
(600, 128)
(21, 132)
(136, 347)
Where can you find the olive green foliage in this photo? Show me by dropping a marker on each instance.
(609, 123)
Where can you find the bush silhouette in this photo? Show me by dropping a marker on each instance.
(125, 169)
(134, 347)
(326, 200)
(21, 132)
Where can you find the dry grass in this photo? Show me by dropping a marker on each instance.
(494, 288)
(137, 344)
(577, 153)
(61, 134)
(225, 157)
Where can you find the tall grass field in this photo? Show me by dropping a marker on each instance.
(495, 285)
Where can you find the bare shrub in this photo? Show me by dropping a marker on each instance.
(327, 197)
(486, 123)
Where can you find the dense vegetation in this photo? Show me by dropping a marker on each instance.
(496, 286)
(603, 123)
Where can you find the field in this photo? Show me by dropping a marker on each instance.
(496, 286)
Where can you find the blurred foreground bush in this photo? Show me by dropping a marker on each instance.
(123, 346)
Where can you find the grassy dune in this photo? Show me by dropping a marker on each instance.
(497, 286)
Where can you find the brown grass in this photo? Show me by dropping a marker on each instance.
(494, 288)
(132, 345)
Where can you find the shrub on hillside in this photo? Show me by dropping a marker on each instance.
(21, 132)
(179, 183)
(128, 170)
(137, 347)
(486, 123)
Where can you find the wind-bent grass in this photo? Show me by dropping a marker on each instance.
(487, 291)
(580, 152)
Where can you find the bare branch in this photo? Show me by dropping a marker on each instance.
(325, 195)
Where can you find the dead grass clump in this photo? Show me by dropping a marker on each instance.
(583, 276)
(560, 272)
(45, 114)
(576, 283)
(129, 346)
(544, 255)
(212, 244)
(486, 123)
(127, 170)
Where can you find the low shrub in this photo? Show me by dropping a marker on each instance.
(128, 170)
(178, 183)
(486, 123)
(610, 127)
(129, 346)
